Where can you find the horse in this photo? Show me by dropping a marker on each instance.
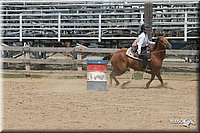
(121, 62)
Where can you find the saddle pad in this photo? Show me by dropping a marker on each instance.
(130, 54)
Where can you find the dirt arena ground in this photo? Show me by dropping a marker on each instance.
(65, 104)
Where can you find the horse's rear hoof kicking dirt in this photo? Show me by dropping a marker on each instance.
(120, 62)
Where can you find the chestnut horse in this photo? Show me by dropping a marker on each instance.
(121, 62)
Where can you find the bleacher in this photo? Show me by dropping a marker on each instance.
(96, 20)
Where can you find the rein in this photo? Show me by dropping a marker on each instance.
(153, 51)
(165, 50)
(176, 54)
(158, 50)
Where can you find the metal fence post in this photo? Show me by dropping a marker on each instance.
(99, 38)
(185, 27)
(20, 27)
(141, 17)
(59, 22)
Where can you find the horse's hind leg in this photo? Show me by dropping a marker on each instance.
(111, 79)
(112, 76)
(149, 82)
(117, 82)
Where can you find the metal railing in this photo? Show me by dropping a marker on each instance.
(120, 22)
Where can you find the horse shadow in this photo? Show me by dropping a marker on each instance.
(125, 86)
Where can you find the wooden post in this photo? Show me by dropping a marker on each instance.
(27, 57)
(5, 55)
(79, 57)
(148, 15)
(44, 56)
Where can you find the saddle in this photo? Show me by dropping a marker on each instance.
(132, 54)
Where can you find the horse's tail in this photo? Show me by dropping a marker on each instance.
(107, 57)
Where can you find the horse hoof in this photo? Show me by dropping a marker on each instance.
(116, 85)
(125, 83)
(161, 86)
(147, 87)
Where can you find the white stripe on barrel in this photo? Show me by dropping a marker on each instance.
(96, 75)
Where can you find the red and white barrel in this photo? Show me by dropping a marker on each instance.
(96, 75)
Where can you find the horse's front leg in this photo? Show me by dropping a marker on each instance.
(159, 78)
(149, 82)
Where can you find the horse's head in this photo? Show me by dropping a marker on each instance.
(162, 40)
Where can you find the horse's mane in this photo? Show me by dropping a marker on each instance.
(155, 46)
(157, 43)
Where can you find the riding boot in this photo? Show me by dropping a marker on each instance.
(147, 70)
(148, 55)
(145, 67)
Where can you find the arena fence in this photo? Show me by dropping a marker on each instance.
(23, 56)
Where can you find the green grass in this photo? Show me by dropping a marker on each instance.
(22, 76)
(137, 75)
(72, 77)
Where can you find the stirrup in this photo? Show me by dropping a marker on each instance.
(147, 70)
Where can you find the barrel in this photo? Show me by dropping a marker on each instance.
(96, 75)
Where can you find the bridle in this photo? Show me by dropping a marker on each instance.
(159, 51)
(162, 43)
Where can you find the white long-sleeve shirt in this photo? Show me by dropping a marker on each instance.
(143, 41)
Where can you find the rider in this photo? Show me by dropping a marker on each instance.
(143, 43)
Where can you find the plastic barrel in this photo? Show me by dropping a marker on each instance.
(96, 75)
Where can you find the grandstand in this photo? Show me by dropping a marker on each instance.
(108, 23)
